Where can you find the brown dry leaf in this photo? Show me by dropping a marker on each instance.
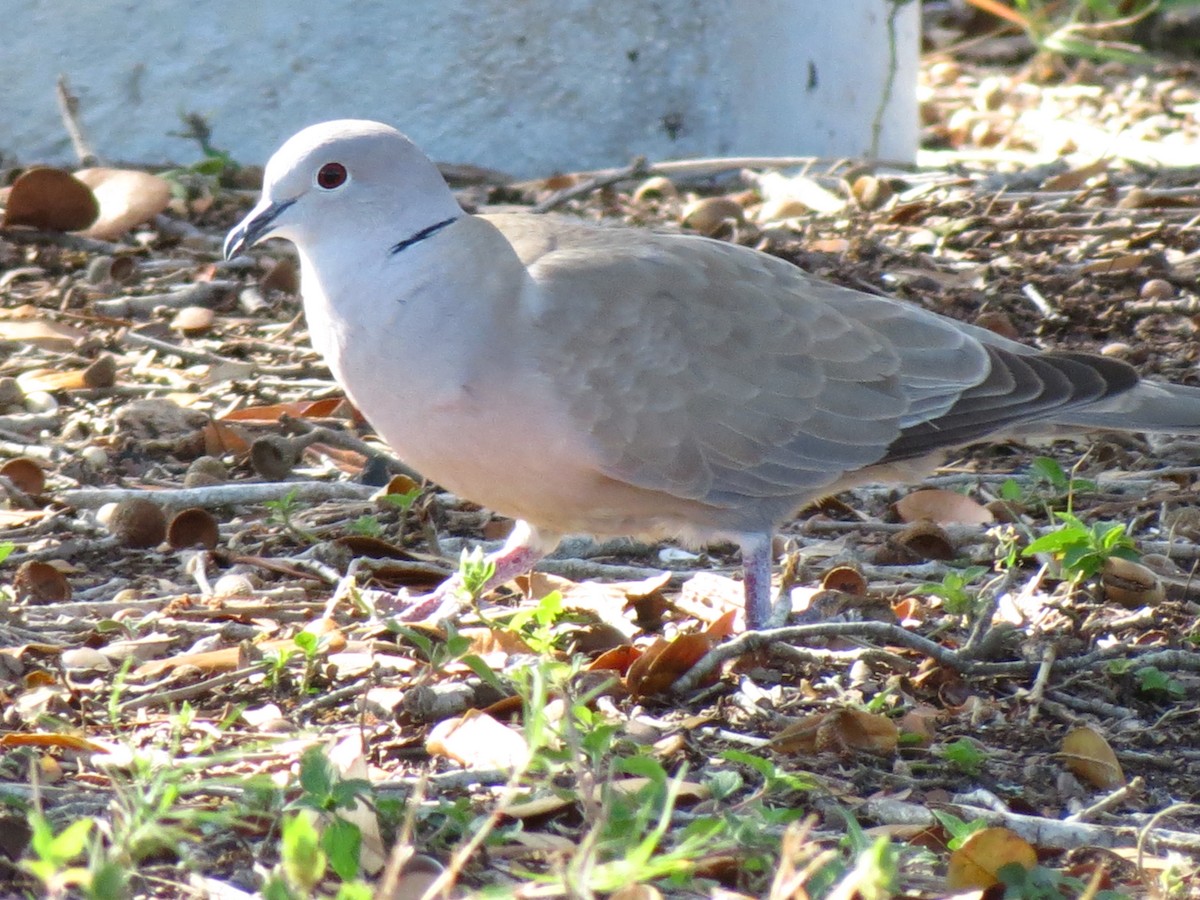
(923, 538)
(477, 741)
(707, 596)
(943, 508)
(227, 659)
(51, 199)
(1089, 756)
(665, 663)
(709, 214)
(50, 739)
(1075, 178)
(325, 408)
(53, 380)
(193, 320)
(220, 439)
(26, 475)
(800, 737)
(41, 333)
(921, 723)
(975, 863)
(126, 198)
(1126, 262)
(498, 641)
(537, 807)
(689, 791)
(413, 881)
(40, 582)
(618, 659)
(843, 731)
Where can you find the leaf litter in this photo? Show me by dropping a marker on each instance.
(198, 524)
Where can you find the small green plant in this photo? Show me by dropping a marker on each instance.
(535, 624)
(403, 502)
(318, 835)
(1081, 550)
(1076, 28)
(1049, 485)
(956, 599)
(283, 512)
(366, 526)
(1155, 684)
(964, 755)
(958, 830)
(214, 167)
(276, 662)
(1040, 883)
(55, 853)
(474, 571)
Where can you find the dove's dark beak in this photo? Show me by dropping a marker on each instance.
(255, 227)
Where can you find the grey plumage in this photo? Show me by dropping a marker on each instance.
(609, 380)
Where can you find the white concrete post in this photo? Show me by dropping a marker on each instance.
(525, 86)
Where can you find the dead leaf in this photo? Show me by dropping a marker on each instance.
(477, 741)
(975, 863)
(1089, 756)
(777, 188)
(843, 731)
(41, 333)
(1075, 178)
(50, 199)
(326, 408)
(665, 663)
(1126, 262)
(126, 198)
(943, 508)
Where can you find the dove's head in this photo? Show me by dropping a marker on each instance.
(347, 180)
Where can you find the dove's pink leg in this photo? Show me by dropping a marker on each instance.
(756, 578)
(520, 553)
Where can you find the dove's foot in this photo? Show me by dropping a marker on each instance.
(449, 599)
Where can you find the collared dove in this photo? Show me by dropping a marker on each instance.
(607, 380)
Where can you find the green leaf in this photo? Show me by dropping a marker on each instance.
(304, 862)
(69, 842)
(342, 842)
(316, 773)
(725, 783)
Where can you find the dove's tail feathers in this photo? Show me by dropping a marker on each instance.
(1152, 406)
(1021, 388)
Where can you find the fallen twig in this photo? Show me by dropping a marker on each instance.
(222, 494)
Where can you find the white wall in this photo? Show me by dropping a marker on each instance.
(526, 86)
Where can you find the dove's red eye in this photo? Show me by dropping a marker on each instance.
(331, 175)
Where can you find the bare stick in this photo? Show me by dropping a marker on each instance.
(68, 107)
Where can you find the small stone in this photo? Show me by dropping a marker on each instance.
(1116, 349)
(40, 402)
(1157, 289)
(95, 458)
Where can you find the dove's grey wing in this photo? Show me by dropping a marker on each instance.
(718, 374)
